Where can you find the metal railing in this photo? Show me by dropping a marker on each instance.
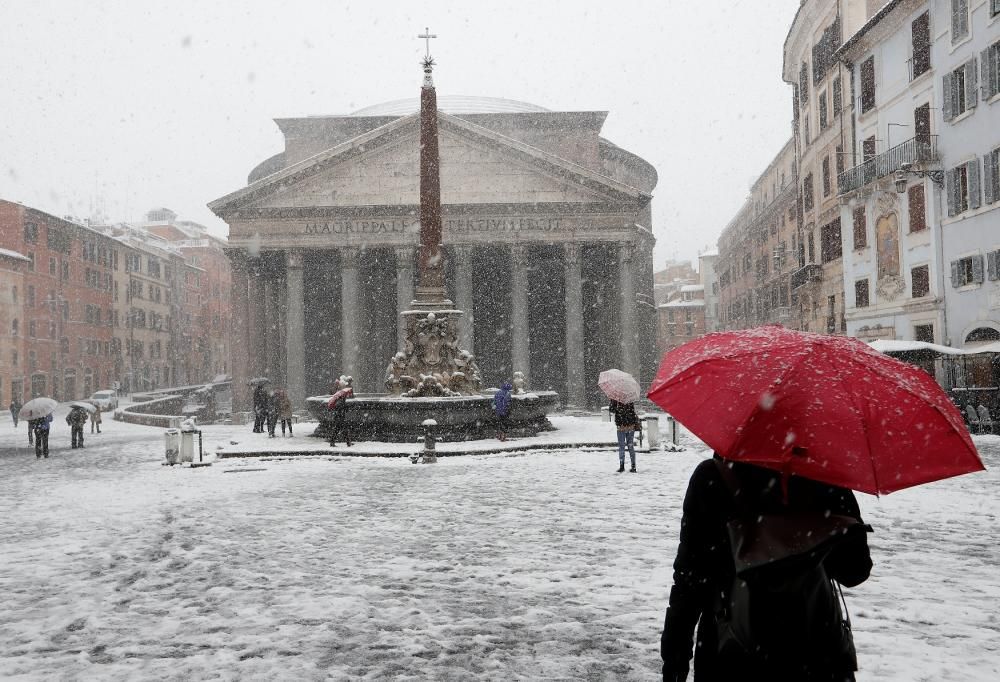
(812, 272)
(914, 150)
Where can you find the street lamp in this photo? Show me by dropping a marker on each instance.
(906, 170)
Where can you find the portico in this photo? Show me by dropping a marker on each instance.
(548, 257)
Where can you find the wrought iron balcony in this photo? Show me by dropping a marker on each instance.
(914, 150)
(809, 273)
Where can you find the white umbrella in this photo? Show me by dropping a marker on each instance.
(84, 406)
(37, 408)
(619, 385)
(257, 381)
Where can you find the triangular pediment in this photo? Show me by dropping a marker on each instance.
(382, 167)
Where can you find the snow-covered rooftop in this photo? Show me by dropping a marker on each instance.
(452, 104)
(8, 253)
(898, 346)
(692, 288)
(681, 303)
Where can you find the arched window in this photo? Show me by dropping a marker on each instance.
(983, 335)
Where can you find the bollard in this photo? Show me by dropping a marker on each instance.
(672, 429)
(429, 454)
(653, 431)
(172, 437)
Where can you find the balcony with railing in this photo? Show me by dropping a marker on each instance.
(915, 150)
(813, 272)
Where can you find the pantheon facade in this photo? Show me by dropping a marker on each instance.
(546, 229)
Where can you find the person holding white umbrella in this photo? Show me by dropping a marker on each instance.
(38, 412)
(623, 390)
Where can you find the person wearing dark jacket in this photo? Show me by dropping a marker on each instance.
(76, 418)
(40, 427)
(15, 408)
(501, 408)
(259, 408)
(271, 412)
(704, 569)
(627, 423)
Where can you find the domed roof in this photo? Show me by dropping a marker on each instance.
(452, 104)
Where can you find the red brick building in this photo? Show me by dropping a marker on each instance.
(682, 317)
(205, 317)
(66, 304)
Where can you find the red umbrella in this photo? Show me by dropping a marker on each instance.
(827, 408)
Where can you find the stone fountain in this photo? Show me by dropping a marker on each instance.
(432, 377)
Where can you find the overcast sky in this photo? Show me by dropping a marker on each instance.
(118, 107)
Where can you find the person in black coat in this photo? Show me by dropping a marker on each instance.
(704, 568)
(626, 423)
(259, 408)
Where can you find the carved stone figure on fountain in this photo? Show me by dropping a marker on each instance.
(518, 382)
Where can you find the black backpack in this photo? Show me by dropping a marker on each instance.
(782, 610)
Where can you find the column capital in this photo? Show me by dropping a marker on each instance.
(519, 254)
(404, 256)
(572, 252)
(626, 251)
(349, 257)
(294, 259)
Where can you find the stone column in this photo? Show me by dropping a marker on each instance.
(404, 291)
(349, 317)
(272, 325)
(463, 296)
(626, 284)
(256, 319)
(575, 365)
(295, 357)
(239, 341)
(521, 349)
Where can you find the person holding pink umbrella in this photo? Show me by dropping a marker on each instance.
(623, 390)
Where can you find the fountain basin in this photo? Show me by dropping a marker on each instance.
(395, 419)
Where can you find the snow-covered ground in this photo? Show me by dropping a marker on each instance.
(537, 565)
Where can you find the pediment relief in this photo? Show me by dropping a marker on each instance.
(383, 167)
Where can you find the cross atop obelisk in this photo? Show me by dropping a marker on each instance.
(427, 35)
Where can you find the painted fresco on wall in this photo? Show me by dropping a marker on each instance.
(887, 236)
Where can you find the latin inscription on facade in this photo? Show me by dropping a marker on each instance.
(453, 225)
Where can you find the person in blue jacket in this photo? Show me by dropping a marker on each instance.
(501, 407)
(40, 427)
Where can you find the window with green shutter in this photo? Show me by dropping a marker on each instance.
(959, 19)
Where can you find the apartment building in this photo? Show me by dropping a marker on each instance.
(66, 315)
(758, 249)
(12, 266)
(966, 55)
(891, 196)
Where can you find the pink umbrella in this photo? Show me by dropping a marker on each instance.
(619, 385)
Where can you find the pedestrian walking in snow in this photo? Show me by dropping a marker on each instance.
(271, 412)
(627, 423)
(76, 418)
(259, 408)
(797, 630)
(40, 428)
(339, 428)
(501, 408)
(15, 407)
(284, 411)
(95, 419)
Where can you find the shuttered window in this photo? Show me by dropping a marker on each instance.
(868, 148)
(830, 244)
(968, 270)
(807, 192)
(867, 84)
(994, 7)
(920, 281)
(804, 85)
(960, 90)
(991, 177)
(917, 207)
(861, 293)
(989, 63)
(838, 95)
(823, 118)
(959, 19)
(860, 228)
(827, 185)
(921, 41)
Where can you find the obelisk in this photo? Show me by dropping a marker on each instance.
(432, 363)
(430, 290)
